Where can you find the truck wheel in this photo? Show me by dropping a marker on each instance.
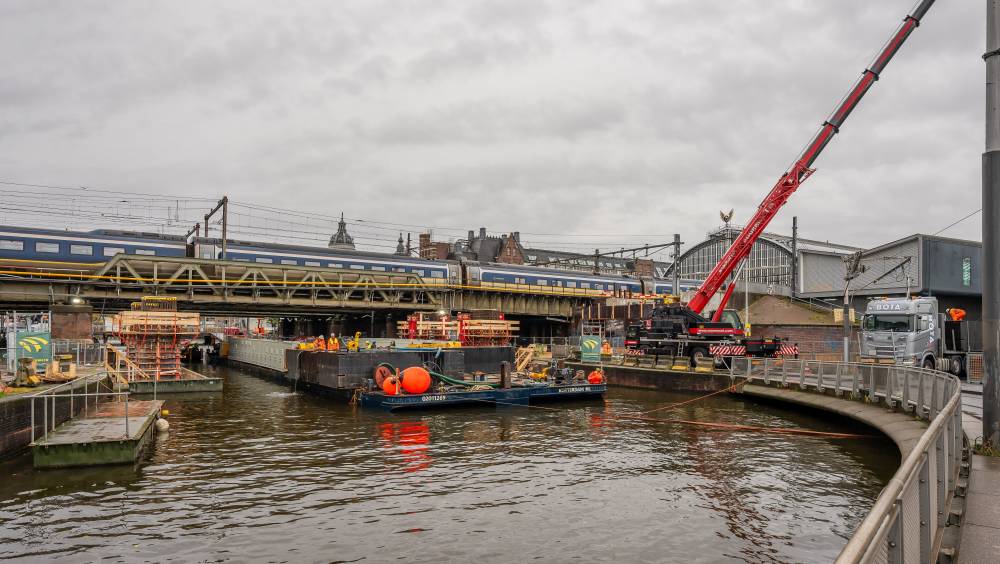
(698, 353)
(929, 364)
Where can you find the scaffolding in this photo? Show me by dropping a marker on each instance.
(485, 328)
(152, 333)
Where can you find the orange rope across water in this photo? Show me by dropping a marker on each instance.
(729, 389)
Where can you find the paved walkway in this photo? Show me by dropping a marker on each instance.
(981, 528)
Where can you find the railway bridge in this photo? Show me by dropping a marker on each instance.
(241, 288)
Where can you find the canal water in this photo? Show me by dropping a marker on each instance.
(260, 473)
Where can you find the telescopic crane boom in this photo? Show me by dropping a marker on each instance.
(800, 170)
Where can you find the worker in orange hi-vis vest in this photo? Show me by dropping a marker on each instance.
(333, 344)
(320, 343)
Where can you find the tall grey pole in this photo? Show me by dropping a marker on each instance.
(795, 253)
(676, 287)
(991, 222)
(846, 323)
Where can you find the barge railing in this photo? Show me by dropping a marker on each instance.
(73, 403)
(907, 522)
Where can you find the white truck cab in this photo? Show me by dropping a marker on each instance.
(912, 331)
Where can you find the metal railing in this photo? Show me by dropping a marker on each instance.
(84, 353)
(910, 514)
(73, 403)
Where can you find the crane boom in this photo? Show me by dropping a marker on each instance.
(800, 170)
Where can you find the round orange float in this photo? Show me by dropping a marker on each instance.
(416, 380)
(595, 377)
(390, 386)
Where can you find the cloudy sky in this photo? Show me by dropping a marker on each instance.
(612, 121)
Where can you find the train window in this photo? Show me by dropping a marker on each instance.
(81, 249)
(242, 260)
(263, 260)
(585, 284)
(499, 279)
(520, 281)
(146, 252)
(379, 268)
(570, 284)
(357, 266)
(46, 247)
(542, 282)
(11, 245)
(437, 274)
(312, 263)
(112, 251)
(398, 269)
(335, 265)
(419, 272)
(289, 261)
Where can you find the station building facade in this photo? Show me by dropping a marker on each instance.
(924, 265)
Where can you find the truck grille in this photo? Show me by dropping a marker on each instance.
(886, 351)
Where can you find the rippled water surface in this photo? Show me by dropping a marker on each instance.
(260, 473)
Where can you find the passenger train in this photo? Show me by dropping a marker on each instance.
(98, 246)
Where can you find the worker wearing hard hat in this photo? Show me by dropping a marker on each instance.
(333, 344)
(320, 343)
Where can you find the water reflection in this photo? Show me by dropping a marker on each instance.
(411, 439)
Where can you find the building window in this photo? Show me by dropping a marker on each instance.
(81, 250)
(112, 251)
(147, 252)
(967, 271)
(46, 247)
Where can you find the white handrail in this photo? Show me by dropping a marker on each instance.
(913, 503)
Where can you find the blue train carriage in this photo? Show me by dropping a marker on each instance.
(548, 280)
(431, 272)
(83, 247)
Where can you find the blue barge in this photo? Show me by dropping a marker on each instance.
(499, 397)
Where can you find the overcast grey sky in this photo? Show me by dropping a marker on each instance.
(574, 116)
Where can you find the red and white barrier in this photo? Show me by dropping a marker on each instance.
(741, 350)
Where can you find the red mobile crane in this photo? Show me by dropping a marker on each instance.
(686, 322)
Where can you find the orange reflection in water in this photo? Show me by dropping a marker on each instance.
(412, 440)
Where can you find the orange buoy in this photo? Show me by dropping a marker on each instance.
(390, 386)
(595, 377)
(416, 380)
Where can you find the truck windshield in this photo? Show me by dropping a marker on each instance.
(880, 322)
(632, 332)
